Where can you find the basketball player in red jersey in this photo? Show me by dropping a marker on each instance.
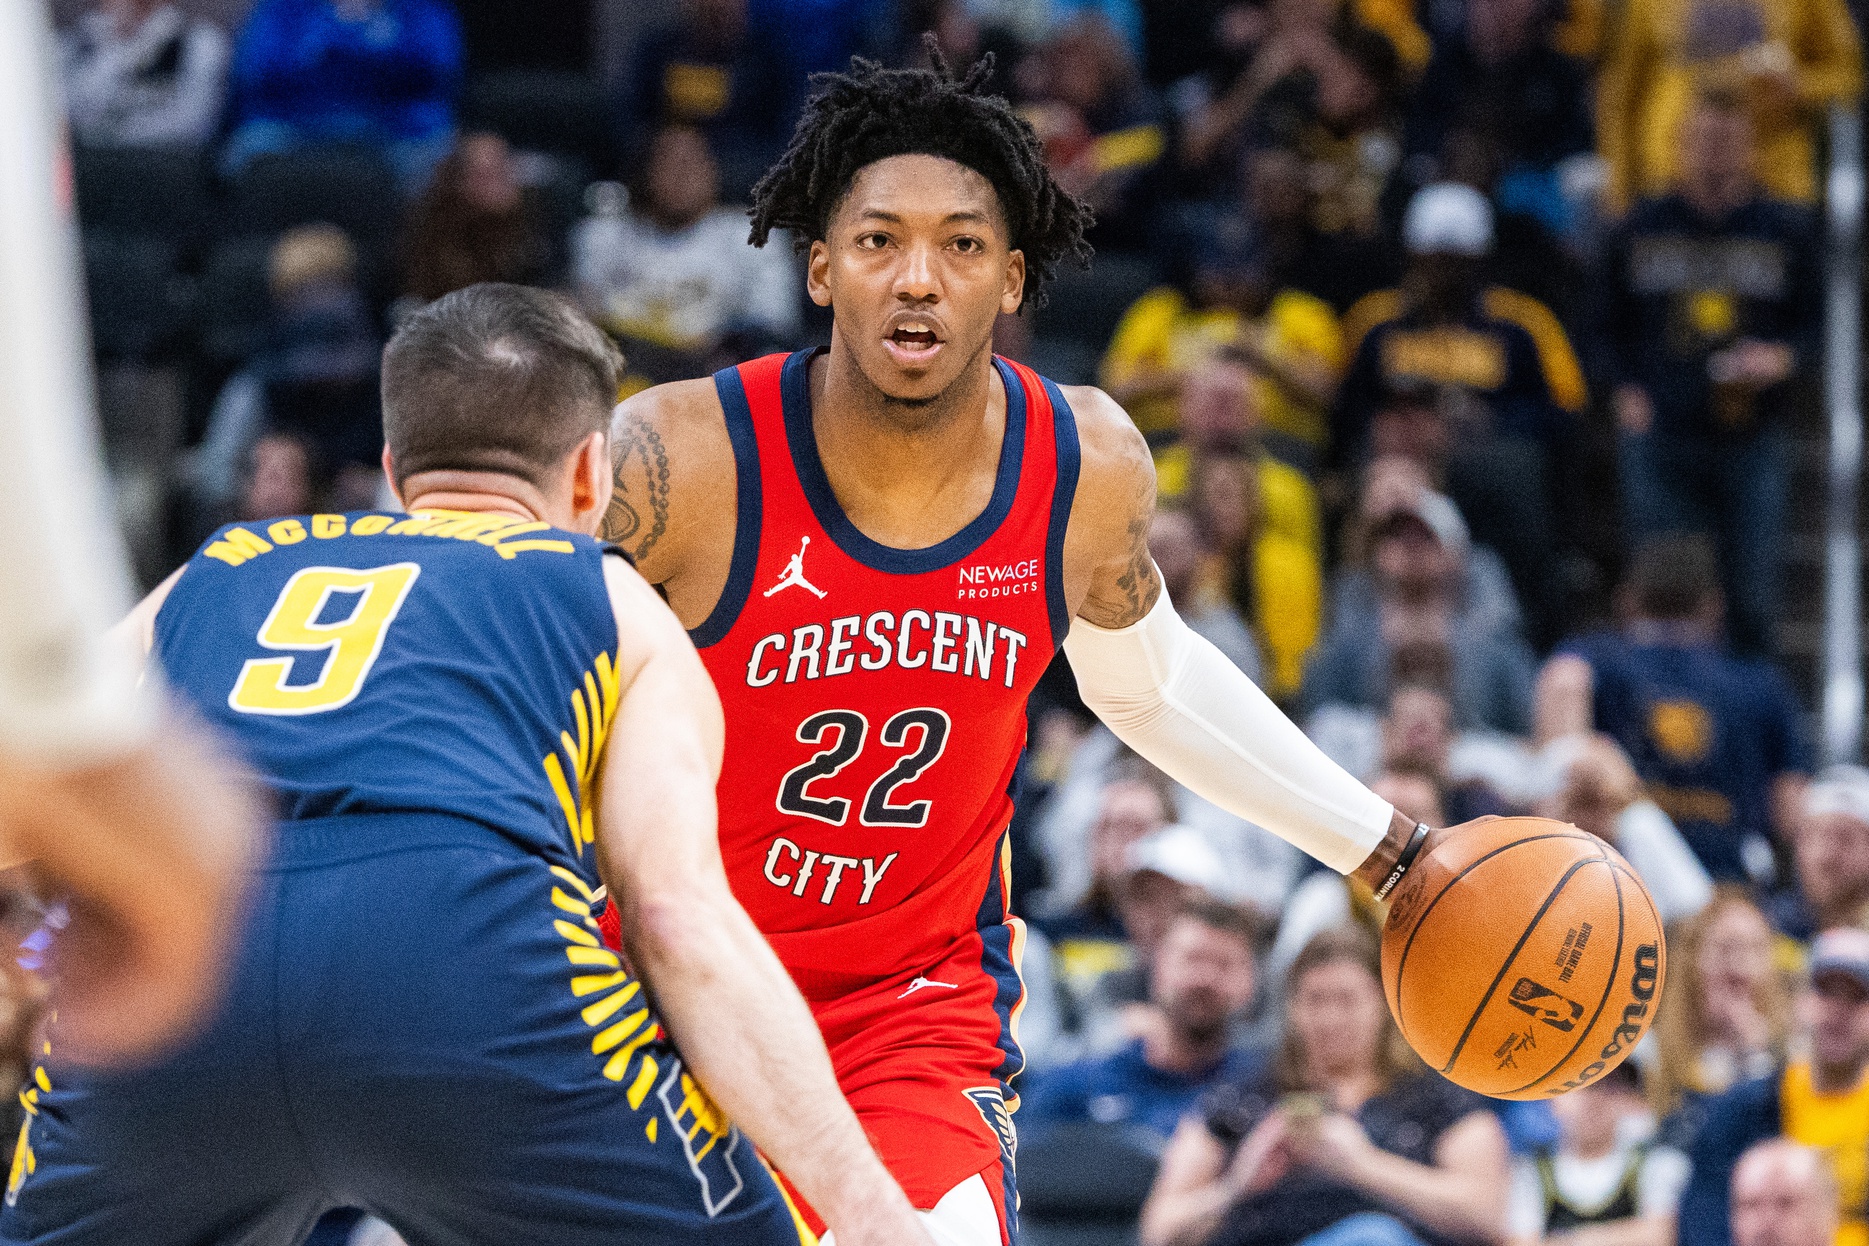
(877, 549)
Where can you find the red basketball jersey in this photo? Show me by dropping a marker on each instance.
(875, 697)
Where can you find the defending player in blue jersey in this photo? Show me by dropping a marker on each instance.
(423, 1021)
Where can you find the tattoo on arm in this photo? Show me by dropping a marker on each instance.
(641, 461)
(1137, 578)
(1131, 593)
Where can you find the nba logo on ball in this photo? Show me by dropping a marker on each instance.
(1523, 958)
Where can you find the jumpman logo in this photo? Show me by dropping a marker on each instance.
(920, 983)
(794, 573)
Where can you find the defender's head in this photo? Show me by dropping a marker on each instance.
(504, 390)
(927, 210)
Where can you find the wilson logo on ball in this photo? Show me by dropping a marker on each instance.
(1642, 986)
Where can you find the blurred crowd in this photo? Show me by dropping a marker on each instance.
(1471, 338)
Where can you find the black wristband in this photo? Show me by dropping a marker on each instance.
(1407, 858)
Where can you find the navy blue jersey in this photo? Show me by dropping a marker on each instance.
(437, 663)
(1707, 733)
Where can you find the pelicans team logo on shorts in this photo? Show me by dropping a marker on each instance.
(992, 1105)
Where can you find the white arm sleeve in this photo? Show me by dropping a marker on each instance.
(67, 691)
(1170, 695)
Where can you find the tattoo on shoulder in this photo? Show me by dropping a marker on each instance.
(641, 481)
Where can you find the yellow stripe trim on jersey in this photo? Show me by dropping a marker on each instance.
(605, 1039)
(639, 1089)
(586, 984)
(573, 934)
(583, 888)
(619, 1063)
(1563, 374)
(565, 902)
(601, 1011)
(593, 956)
(805, 1236)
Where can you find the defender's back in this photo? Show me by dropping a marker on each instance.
(440, 662)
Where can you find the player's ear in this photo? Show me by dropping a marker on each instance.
(1014, 293)
(591, 480)
(817, 268)
(389, 474)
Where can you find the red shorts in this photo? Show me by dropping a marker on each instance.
(925, 1061)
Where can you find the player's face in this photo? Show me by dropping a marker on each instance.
(917, 264)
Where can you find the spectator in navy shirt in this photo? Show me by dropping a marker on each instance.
(1503, 80)
(1716, 739)
(1713, 302)
(382, 72)
(711, 68)
(1203, 981)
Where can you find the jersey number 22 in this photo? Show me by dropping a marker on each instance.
(847, 729)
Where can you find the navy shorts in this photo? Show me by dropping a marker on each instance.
(423, 1024)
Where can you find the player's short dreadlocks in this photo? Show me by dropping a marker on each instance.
(871, 113)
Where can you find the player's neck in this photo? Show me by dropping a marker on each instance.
(492, 493)
(878, 452)
(848, 407)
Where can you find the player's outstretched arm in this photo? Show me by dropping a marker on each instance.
(1169, 694)
(136, 822)
(722, 993)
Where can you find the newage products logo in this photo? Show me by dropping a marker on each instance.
(1006, 580)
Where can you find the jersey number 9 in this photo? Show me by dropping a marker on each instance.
(352, 642)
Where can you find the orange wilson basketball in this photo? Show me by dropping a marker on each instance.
(1523, 958)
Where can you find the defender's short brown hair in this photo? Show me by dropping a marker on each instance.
(496, 378)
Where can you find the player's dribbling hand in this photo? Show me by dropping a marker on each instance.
(151, 854)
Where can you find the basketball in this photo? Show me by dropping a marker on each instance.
(1523, 958)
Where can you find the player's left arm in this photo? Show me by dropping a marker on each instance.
(1171, 695)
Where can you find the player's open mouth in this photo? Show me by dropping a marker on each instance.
(913, 341)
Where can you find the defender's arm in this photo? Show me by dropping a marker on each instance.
(739, 1021)
(1170, 695)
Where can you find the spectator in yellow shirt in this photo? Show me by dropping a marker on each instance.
(1821, 1101)
(1254, 512)
(1788, 59)
(1290, 340)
